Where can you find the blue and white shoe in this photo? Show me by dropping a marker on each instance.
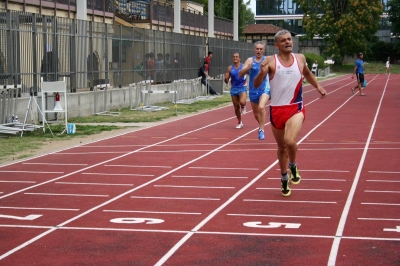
(260, 134)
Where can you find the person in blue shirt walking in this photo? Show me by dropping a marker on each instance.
(359, 73)
(258, 96)
(238, 88)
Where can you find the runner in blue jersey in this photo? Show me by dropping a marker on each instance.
(258, 96)
(359, 72)
(238, 88)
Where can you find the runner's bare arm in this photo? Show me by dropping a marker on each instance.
(264, 69)
(309, 76)
(246, 67)
(227, 74)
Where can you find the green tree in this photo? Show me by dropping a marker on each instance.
(345, 25)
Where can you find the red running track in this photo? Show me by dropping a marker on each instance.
(197, 191)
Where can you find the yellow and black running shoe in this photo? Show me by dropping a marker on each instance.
(294, 175)
(285, 189)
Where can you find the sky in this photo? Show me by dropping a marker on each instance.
(253, 6)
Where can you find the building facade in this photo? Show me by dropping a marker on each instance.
(286, 14)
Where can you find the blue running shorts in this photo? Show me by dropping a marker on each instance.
(236, 91)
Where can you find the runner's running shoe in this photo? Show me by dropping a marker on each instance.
(294, 175)
(243, 110)
(260, 134)
(285, 189)
(239, 125)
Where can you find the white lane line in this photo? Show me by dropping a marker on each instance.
(292, 201)
(122, 194)
(100, 152)
(16, 181)
(346, 209)
(127, 211)
(137, 166)
(97, 184)
(216, 211)
(383, 172)
(192, 186)
(66, 164)
(53, 228)
(322, 170)
(44, 209)
(172, 198)
(30, 172)
(381, 204)
(379, 219)
(381, 191)
(201, 176)
(283, 216)
(313, 179)
(57, 194)
(305, 189)
(222, 168)
(113, 174)
(384, 181)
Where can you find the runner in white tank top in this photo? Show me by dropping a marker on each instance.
(286, 110)
(287, 83)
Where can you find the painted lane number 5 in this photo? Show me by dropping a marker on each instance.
(271, 225)
(136, 221)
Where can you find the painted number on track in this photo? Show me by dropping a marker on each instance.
(26, 218)
(271, 225)
(136, 221)
(397, 229)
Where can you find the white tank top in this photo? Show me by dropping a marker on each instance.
(286, 85)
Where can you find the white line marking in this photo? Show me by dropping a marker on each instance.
(56, 194)
(313, 179)
(67, 164)
(383, 204)
(186, 232)
(121, 195)
(222, 168)
(191, 186)
(113, 174)
(346, 209)
(172, 198)
(381, 191)
(138, 166)
(99, 184)
(331, 171)
(215, 212)
(383, 172)
(185, 213)
(45, 209)
(199, 176)
(15, 181)
(30, 172)
(388, 181)
(379, 219)
(305, 189)
(79, 153)
(282, 216)
(292, 201)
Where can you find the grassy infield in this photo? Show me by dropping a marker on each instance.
(32, 140)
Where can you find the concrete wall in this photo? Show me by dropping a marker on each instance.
(84, 103)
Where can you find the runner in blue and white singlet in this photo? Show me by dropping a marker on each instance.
(264, 88)
(238, 88)
(260, 95)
